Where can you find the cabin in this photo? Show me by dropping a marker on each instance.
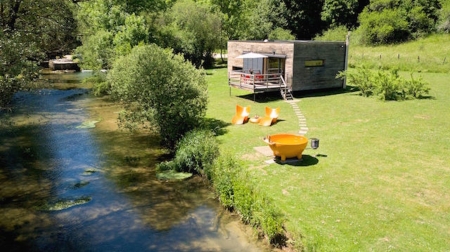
(286, 66)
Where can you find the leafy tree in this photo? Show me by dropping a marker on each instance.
(390, 21)
(343, 12)
(280, 34)
(304, 17)
(191, 29)
(263, 18)
(139, 6)
(386, 26)
(99, 22)
(29, 32)
(159, 90)
(110, 28)
(233, 16)
(133, 32)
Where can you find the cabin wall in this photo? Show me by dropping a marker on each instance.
(236, 48)
(316, 65)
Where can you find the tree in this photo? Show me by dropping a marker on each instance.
(265, 19)
(304, 17)
(191, 29)
(233, 16)
(390, 21)
(343, 12)
(110, 28)
(160, 90)
(31, 31)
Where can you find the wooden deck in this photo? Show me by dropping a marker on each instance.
(259, 83)
(256, 83)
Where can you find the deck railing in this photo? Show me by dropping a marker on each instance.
(255, 82)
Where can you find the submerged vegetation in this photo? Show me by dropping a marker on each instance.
(63, 204)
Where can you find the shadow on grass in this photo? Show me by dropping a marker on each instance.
(276, 96)
(218, 126)
(325, 92)
(307, 160)
(262, 97)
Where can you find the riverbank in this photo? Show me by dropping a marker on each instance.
(79, 174)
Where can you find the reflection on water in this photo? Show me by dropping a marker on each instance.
(71, 188)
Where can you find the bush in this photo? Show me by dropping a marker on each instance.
(223, 175)
(392, 21)
(237, 191)
(195, 153)
(415, 88)
(387, 26)
(335, 34)
(362, 78)
(100, 86)
(159, 90)
(386, 84)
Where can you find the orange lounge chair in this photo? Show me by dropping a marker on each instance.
(270, 117)
(241, 115)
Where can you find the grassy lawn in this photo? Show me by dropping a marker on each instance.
(382, 181)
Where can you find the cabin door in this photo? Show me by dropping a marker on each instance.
(256, 65)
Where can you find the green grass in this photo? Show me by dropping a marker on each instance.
(382, 181)
(430, 54)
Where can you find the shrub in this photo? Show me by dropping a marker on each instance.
(338, 33)
(100, 86)
(223, 175)
(415, 88)
(236, 191)
(386, 84)
(195, 153)
(160, 90)
(362, 78)
(244, 198)
(269, 218)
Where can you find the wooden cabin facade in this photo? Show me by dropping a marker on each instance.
(286, 65)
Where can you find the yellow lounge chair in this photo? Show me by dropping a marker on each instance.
(270, 117)
(241, 115)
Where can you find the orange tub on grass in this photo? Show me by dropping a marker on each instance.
(287, 145)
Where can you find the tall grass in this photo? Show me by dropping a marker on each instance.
(430, 54)
(382, 179)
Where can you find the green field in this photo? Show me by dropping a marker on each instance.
(381, 181)
(430, 54)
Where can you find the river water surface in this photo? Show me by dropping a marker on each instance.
(72, 181)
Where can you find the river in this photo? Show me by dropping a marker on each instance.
(72, 181)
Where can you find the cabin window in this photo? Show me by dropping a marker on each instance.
(276, 65)
(314, 63)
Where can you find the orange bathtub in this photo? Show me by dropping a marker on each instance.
(287, 145)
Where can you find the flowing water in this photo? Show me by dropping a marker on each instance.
(72, 181)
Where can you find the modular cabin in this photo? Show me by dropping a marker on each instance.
(286, 66)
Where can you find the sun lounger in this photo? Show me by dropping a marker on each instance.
(270, 117)
(241, 115)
